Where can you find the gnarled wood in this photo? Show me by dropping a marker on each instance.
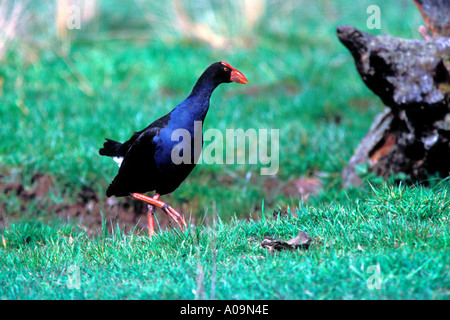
(412, 79)
(436, 14)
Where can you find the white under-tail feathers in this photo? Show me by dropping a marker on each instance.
(118, 160)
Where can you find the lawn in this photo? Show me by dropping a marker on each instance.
(59, 99)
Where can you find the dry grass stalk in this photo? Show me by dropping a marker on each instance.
(66, 13)
(9, 23)
(227, 25)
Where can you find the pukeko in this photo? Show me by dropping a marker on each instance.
(145, 161)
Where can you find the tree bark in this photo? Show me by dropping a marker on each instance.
(412, 78)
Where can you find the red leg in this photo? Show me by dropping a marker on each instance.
(151, 218)
(165, 207)
(151, 221)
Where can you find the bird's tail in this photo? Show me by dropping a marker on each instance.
(111, 148)
(110, 191)
(115, 189)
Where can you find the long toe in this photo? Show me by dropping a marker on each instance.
(178, 218)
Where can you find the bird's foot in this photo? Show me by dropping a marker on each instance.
(175, 216)
(171, 212)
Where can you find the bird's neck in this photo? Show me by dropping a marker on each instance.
(196, 105)
(203, 89)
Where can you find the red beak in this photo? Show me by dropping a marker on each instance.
(236, 75)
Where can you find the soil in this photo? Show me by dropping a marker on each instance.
(86, 211)
(90, 210)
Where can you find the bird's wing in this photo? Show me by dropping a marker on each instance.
(113, 148)
(138, 170)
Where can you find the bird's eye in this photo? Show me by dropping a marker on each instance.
(225, 69)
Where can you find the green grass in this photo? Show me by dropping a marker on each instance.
(404, 231)
(56, 108)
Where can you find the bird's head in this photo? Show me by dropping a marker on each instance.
(222, 72)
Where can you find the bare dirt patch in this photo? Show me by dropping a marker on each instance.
(89, 211)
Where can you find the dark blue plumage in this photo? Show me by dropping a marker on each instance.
(147, 163)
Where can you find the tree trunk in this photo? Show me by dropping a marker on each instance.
(412, 78)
